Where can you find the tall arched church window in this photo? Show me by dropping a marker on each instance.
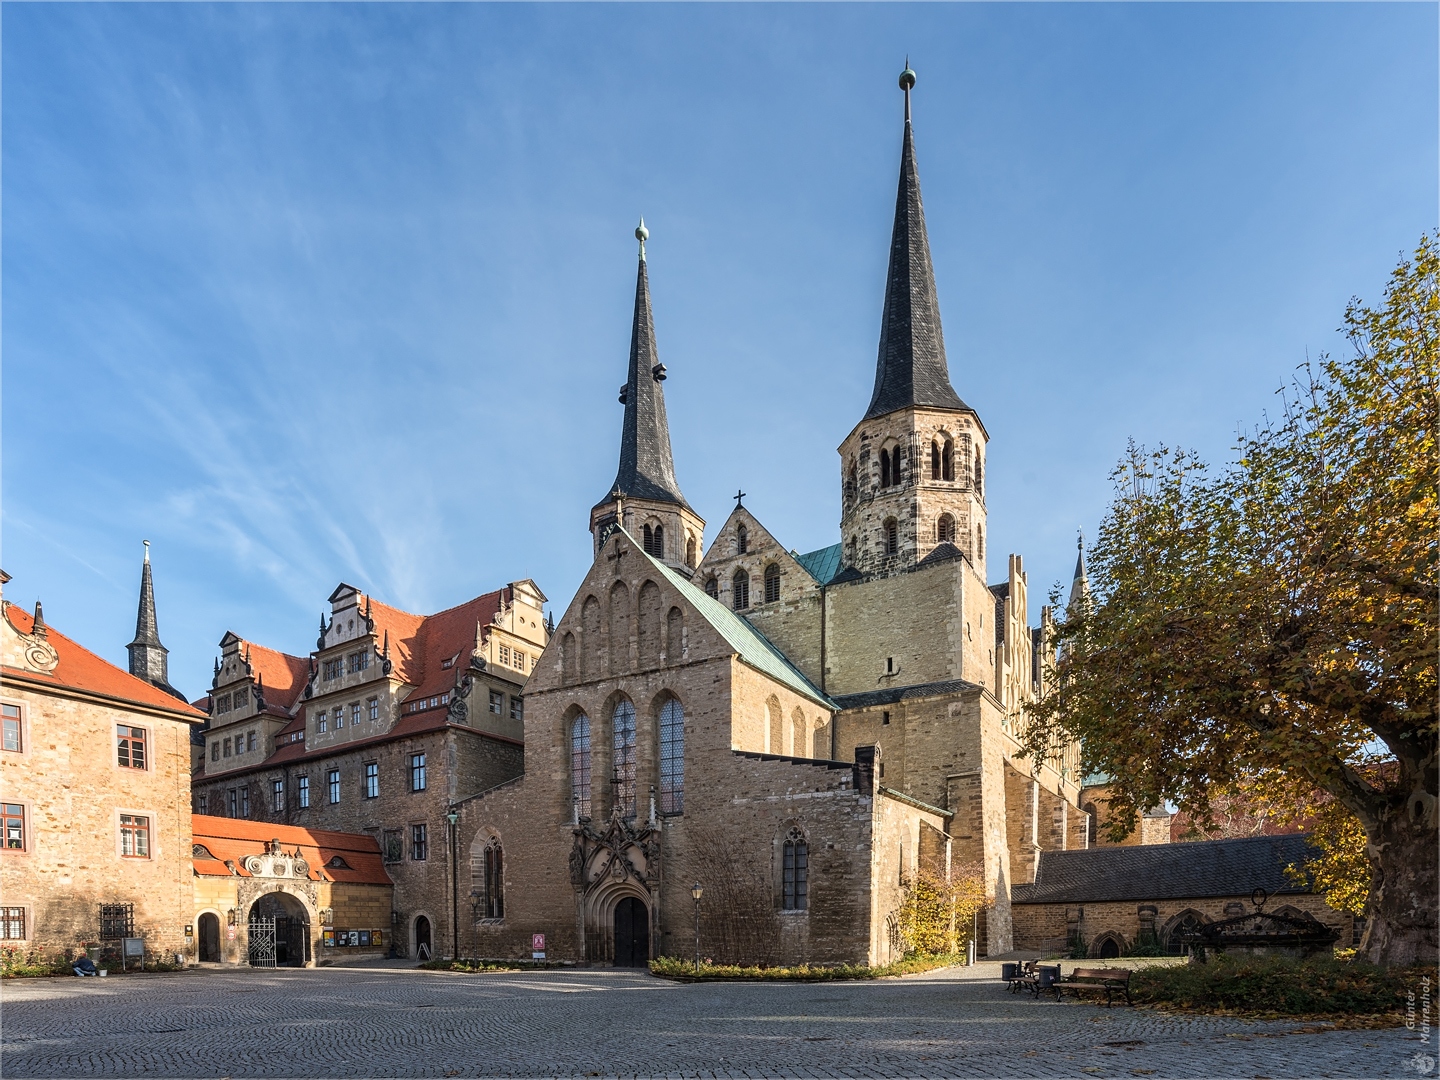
(740, 590)
(494, 891)
(712, 588)
(772, 583)
(979, 479)
(742, 537)
(672, 758)
(795, 886)
(934, 460)
(892, 537)
(945, 530)
(690, 553)
(884, 468)
(622, 726)
(947, 461)
(1090, 823)
(580, 764)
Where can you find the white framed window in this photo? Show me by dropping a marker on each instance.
(134, 836)
(12, 719)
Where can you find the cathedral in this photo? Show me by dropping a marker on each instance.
(760, 746)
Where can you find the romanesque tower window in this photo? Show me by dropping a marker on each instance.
(742, 536)
(979, 542)
(654, 541)
(884, 468)
(580, 764)
(979, 484)
(494, 890)
(945, 530)
(934, 460)
(622, 726)
(896, 476)
(852, 483)
(672, 758)
(740, 590)
(892, 537)
(712, 588)
(772, 583)
(690, 553)
(795, 886)
(947, 461)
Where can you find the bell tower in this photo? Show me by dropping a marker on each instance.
(645, 499)
(912, 471)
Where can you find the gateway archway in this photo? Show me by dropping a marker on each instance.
(209, 938)
(292, 927)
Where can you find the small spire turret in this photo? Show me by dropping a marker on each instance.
(148, 658)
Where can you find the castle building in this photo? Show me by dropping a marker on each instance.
(391, 719)
(796, 733)
(94, 786)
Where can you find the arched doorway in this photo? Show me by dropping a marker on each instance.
(292, 927)
(422, 938)
(632, 933)
(209, 938)
(1109, 949)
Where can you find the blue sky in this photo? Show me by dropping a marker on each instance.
(314, 293)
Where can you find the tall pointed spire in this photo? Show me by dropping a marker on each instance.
(911, 368)
(647, 469)
(147, 655)
(1080, 586)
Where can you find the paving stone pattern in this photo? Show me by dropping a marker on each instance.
(392, 1020)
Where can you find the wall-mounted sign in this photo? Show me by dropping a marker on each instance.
(329, 938)
(189, 930)
(537, 946)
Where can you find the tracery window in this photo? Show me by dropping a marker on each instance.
(622, 727)
(672, 758)
(494, 892)
(1190, 924)
(795, 873)
(740, 590)
(580, 764)
(772, 583)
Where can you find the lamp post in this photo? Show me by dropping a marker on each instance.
(454, 817)
(695, 891)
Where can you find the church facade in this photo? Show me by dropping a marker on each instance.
(795, 733)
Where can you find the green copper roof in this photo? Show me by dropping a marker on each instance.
(754, 648)
(822, 565)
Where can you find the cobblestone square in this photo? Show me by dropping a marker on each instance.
(392, 1020)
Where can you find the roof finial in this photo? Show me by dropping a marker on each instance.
(1080, 539)
(147, 549)
(642, 234)
(907, 80)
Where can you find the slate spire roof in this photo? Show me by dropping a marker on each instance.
(1080, 585)
(647, 469)
(911, 368)
(147, 655)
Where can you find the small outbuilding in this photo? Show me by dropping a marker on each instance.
(271, 895)
(1112, 901)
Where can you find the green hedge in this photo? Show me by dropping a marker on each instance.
(489, 965)
(673, 967)
(1275, 984)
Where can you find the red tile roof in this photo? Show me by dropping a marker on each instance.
(420, 644)
(233, 839)
(80, 669)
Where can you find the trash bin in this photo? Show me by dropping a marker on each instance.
(1048, 974)
(1008, 969)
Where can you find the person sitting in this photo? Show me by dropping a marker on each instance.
(84, 965)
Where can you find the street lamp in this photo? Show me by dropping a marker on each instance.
(477, 901)
(696, 891)
(454, 817)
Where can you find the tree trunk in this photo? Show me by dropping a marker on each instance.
(1405, 884)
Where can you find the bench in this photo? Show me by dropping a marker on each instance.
(1110, 981)
(1025, 977)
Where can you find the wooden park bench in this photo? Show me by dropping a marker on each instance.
(1026, 977)
(1110, 981)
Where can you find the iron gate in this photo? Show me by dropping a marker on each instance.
(262, 941)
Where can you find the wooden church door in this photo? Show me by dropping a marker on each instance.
(632, 933)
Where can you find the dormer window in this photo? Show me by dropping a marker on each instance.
(447, 664)
(337, 863)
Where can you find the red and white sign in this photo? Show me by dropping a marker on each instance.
(537, 942)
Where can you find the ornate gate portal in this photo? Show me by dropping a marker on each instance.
(262, 941)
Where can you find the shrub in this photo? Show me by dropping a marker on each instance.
(675, 967)
(16, 962)
(488, 965)
(937, 912)
(1244, 983)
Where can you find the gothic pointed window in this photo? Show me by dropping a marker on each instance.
(934, 460)
(772, 583)
(947, 461)
(622, 727)
(712, 588)
(884, 468)
(892, 537)
(494, 890)
(580, 764)
(945, 530)
(742, 537)
(672, 758)
(979, 483)
(740, 590)
(795, 885)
